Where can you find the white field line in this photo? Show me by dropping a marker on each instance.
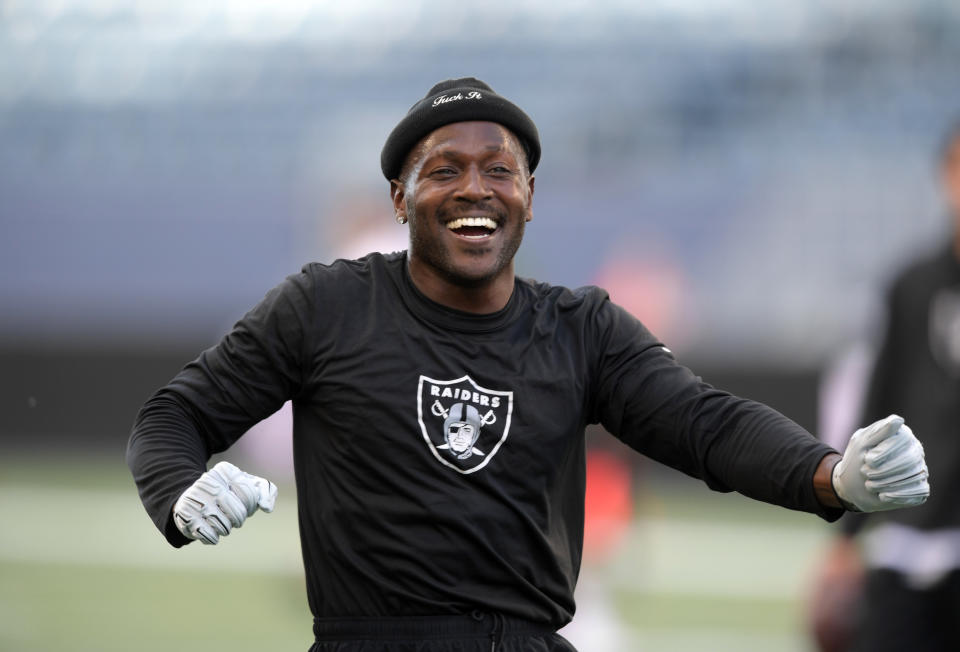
(658, 555)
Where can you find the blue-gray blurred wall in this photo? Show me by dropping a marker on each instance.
(744, 176)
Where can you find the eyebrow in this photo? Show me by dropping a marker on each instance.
(448, 153)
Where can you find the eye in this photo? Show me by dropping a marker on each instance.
(500, 170)
(443, 172)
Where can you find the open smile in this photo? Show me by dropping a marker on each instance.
(473, 228)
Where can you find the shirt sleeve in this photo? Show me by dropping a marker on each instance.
(661, 409)
(218, 397)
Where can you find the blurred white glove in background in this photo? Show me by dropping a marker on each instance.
(220, 500)
(883, 468)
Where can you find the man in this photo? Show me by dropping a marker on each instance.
(905, 566)
(406, 546)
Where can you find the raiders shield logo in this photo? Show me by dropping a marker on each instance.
(463, 424)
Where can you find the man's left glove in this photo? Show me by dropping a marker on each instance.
(883, 468)
(220, 500)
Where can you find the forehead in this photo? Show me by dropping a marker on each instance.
(474, 137)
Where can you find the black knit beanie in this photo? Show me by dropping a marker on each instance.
(457, 100)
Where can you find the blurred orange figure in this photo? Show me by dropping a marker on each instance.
(608, 505)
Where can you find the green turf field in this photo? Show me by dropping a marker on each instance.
(82, 568)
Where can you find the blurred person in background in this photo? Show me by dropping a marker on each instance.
(439, 411)
(891, 581)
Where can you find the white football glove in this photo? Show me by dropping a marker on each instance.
(883, 468)
(220, 500)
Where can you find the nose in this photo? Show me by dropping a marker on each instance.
(473, 186)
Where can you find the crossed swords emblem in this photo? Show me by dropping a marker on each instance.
(489, 418)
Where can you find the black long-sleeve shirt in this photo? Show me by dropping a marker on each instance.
(399, 514)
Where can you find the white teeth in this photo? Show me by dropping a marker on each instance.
(484, 222)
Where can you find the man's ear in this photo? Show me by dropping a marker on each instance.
(397, 196)
(530, 184)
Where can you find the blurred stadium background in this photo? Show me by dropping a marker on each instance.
(744, 176)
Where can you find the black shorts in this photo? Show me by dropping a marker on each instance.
(476, 632)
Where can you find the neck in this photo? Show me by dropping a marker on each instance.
(481, 299)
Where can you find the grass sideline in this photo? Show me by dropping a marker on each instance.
(46, 607)
(82, 568)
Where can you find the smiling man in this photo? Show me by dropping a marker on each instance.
(466, 188)
(440, 404)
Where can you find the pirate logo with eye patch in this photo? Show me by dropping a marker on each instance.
(464, 425)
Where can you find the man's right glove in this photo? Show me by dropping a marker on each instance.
(883, 468)
(220, 500)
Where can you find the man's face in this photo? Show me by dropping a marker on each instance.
(460, 436)
(466, 193)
